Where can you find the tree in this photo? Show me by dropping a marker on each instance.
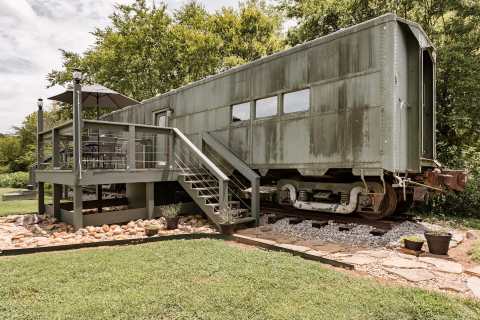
(146, 51)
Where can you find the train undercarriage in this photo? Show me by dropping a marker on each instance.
(371, 198)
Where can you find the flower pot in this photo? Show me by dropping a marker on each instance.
(413, 245)
(227, 229)
(438, 243)
(172, 223)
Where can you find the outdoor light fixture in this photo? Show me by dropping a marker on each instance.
(40, 103)
(77, 75)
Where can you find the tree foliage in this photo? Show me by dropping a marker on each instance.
(146, 51)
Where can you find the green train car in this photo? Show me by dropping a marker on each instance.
(324, 120)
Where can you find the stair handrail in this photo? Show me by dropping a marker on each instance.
(241, 167)
(203, 158)
(223, 179)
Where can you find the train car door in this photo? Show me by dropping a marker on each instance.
(160, 143)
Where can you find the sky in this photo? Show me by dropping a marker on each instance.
(31, 34)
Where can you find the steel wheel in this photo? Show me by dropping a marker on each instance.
(389, 203)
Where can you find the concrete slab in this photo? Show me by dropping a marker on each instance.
(473, 283)
(397, 262)
(443, 265)
(412, 275)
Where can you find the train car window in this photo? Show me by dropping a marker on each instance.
(241, 112)
(296, 101)
(266, 107)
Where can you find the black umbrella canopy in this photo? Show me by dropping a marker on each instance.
(96, 96)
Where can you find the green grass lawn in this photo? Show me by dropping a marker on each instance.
(475, 251)
(203, 279)
(17, 206)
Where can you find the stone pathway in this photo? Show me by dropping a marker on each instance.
(29, 231)
(429, 272)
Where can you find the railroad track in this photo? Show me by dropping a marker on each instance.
(284, 212)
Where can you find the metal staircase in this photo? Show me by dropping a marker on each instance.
(214, 192)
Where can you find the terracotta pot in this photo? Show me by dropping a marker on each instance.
(438, 243)
(413, 245)
(172, 223)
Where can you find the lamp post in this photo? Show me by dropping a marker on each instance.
(77, 149)
(77, 122)
(40, 185)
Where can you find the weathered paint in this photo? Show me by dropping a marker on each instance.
(364, 103)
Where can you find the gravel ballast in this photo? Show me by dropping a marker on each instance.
(358, 234)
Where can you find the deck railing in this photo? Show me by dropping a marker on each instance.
(105, 146)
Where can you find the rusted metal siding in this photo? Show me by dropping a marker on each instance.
(364, 103)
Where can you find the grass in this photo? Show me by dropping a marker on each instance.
(16, 206)
(475, 251)
(203, 279)
(450, 220)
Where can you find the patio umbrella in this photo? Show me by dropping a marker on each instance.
(96, 95)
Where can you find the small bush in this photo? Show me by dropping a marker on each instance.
(14, 180)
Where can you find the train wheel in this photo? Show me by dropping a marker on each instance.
(389, 204)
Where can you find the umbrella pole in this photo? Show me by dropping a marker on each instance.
(99, 186)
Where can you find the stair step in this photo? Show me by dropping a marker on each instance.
(205, 188)
(207, 196)
(200, 181)
(229, 202)
(186, 174)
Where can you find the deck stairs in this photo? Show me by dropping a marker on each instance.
(205, 180)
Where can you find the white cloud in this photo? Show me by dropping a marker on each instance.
(31, 34)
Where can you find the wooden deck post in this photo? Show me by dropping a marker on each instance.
(99, 197)
(77, 207)
(150, 199)
(57, 195)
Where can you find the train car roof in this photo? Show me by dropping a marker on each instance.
(415, 28)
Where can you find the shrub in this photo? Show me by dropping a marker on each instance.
(171, 210)
(460, 204)
(14, 180)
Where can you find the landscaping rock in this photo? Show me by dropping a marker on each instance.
(475, 271)
(397, 262)
(471, 235)
(456, 286)
(359, 260)
(443, 265)
(412, 275)
(473, 283)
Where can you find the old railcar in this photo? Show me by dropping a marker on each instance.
(323, 121)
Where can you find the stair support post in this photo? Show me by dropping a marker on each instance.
(223, 194)
(256, 199)
(150, 198)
